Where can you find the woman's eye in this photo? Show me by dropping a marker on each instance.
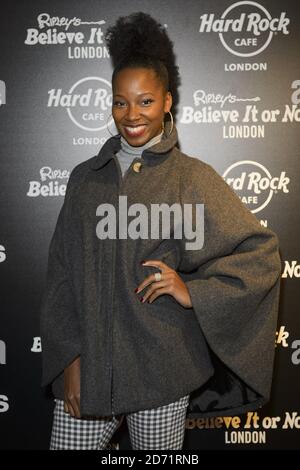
(121, 104)
(148, 101)
(118, 103)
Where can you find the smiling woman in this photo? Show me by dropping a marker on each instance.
(139, 104)
(143, 324)
(145, 79)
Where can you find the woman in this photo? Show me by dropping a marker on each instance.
(139, 321)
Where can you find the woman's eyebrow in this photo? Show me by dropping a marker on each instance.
(140, 94)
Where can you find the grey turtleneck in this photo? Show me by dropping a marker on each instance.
(128, 153)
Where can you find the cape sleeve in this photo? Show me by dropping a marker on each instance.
(234, 283)
(58, 318)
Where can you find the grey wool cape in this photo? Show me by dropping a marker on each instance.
(221, 350)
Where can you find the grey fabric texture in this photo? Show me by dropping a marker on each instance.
(149, 355)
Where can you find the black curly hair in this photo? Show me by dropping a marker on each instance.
(138, 40)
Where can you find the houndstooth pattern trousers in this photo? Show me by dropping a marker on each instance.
(158, 428)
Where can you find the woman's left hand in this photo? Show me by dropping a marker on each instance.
(170, 283)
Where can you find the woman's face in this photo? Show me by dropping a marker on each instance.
(139, 105)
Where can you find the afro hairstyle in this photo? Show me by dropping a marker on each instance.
(138, 40)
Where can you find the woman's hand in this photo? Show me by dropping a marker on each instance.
(72, 388)
(170, 283)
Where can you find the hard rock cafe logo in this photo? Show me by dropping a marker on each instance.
(88, 102)
(254, 183)
(245, 28)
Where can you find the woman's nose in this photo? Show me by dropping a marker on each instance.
(132, 113)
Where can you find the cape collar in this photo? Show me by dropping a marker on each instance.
(152, 155)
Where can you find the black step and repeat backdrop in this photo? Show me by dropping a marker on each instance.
(238, 110)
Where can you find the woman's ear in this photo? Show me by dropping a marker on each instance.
(168, 102)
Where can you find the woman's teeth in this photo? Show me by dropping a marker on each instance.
(135, 130)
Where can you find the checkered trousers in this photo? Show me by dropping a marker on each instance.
(158, 428)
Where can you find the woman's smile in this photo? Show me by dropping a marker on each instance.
(135, 131)
(139, 105)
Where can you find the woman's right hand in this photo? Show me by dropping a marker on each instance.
(72, 388)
